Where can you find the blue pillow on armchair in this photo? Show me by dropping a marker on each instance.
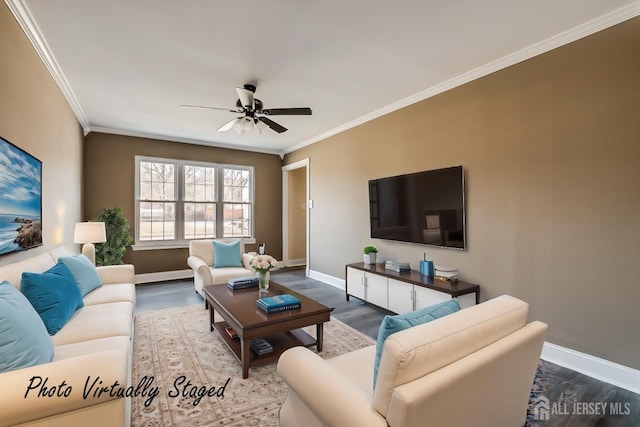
(54, 294)
(400, 322)
(226, 254)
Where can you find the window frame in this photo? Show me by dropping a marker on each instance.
(180, 241)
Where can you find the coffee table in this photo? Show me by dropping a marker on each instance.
(282, 330)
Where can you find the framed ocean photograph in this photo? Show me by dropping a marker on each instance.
(20, 199)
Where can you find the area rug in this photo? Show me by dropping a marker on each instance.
(177, 359)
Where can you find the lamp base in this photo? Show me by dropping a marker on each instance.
(89, 250)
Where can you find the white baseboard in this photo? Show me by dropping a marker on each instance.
(162, 276)
(595, 367)
(330, 280)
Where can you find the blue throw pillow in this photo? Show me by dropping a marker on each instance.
(54, 294)
(400, 322)
(24, 340)
(227, 254)
(84, 272)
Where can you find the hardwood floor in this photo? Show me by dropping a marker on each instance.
(561, 384)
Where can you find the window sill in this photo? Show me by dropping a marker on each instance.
(177, 245)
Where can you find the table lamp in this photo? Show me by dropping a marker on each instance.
(89, 233)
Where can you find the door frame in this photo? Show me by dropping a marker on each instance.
(285, 209)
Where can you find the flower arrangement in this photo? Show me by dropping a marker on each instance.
(263, 263)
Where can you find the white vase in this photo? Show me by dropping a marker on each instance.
(263, 282)
(370, 258)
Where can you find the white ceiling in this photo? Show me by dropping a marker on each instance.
(126, 66)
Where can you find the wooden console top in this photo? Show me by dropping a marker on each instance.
(453, 288)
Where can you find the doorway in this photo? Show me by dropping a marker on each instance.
(295, 214)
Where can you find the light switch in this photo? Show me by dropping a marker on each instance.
(310, 204)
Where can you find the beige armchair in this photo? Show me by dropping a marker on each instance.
(474, 367)
(201, 260)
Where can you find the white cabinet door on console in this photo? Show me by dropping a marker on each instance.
(355, 282)
(400, 296)
(425, 297)
(376, 289)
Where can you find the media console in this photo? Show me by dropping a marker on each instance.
(404, 292)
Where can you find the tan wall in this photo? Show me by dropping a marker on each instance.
(551, 150)
(109, 182)
(35, 116)
(297, 214)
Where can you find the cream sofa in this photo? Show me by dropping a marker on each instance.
(201, 260)
(96, 342)
(474, 367)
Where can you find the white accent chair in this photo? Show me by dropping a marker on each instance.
(474, 367)
(201, 260)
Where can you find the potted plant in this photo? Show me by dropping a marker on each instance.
(118, 237)
(370, 253)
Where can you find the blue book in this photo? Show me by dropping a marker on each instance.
(242, 282)
(279, 309)
(278, 303)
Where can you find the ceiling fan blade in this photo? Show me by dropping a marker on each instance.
(210, 108)
(246, 97)
(303, 111)
(273, 125)
(229, 125)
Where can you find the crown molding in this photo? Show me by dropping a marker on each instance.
(24, 17)
(598, 24)
(149, 135)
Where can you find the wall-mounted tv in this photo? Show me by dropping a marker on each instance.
(423, 207)
(20, 199)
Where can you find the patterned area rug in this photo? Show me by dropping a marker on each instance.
(175, 352)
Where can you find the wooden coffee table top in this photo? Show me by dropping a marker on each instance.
(240, 306)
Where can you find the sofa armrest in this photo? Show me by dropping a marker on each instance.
(107, 366)
(246, 261)
(200, 268)
(332, 398)
(124, 273)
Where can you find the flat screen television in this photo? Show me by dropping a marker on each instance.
(423, 207)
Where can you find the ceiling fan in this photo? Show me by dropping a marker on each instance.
(254, 115)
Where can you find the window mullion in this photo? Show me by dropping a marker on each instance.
(179, 201)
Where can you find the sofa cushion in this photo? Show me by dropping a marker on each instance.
(400, 322)
(12, 273)
(226, 254)
(117, 292)
(84, 272)
(69, 351)
(54, 294)
(97, 321)
(220, 276)
(24, 340)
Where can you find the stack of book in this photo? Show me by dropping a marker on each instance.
(261, 346)
(278, 303)
(243, 282)
(445, 273)
(398, 267)
(233, 334)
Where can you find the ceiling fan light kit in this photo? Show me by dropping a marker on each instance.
(254, 113)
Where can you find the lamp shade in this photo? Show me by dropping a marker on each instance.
(89, 232)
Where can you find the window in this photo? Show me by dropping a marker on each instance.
(179, 200)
